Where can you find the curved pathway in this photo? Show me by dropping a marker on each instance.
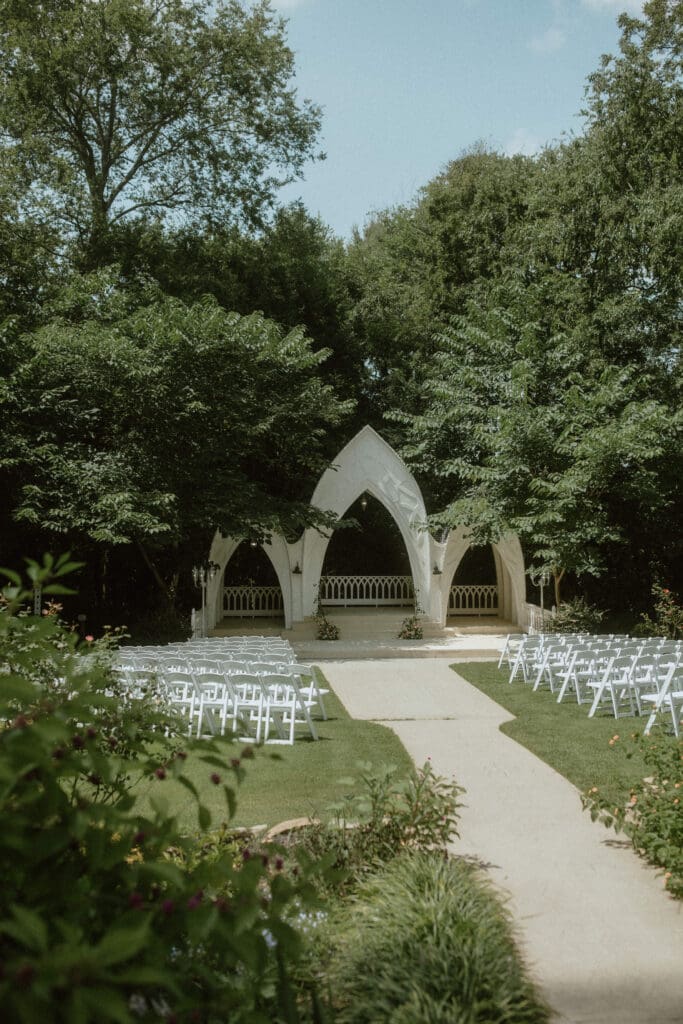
(603, 939)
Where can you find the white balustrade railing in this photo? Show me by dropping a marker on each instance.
(537, 620)
(366, 590)
(249, 602)
(475, 599)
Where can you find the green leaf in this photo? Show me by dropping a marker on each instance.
(188, 784)
(28, 928)
(147, 976)
(107, 1004)
(204, 816)
(11, 575)
(121, 944)
(58, 588)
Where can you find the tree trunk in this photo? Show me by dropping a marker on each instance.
(155, 573)
(557, 579)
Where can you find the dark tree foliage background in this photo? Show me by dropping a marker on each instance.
(179, 352)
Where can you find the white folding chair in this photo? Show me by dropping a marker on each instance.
(285, 706)
(669, 698)
(617, 681)
(179, 690)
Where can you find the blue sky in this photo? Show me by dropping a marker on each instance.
(407, 85)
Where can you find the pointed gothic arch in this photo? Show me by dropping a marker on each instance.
(368, 464)
(222, 550)
(509, 562)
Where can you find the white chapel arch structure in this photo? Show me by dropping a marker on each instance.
(367, 464)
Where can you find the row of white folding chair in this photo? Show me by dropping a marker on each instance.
(525, 653)
(201, 698)
(240, 684)
(210, 648)
(585, 662)
(250, 701)
(305, 675)
(528, 655)
(616, 668)
(582, 664)
(553, 661)
(629, 678)
(552, 656)
(598, 666)
(255, 653)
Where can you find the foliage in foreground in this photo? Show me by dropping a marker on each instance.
(107, 914)
(427, 939)
(652, 817)
(384, 813)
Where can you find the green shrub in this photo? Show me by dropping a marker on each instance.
(575, 616)
(107, 914)
(652, 817)
(427, 940)
(384, 814)
(668, 616)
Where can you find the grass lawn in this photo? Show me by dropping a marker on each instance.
(562, 735)
(289, 782)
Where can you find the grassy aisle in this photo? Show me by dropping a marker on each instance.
(289, 782)
(562, 735)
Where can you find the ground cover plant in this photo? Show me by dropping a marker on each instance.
(427, 939)
(628, 780)
(408, 933)
(384, 811)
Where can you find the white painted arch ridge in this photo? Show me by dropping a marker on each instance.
(367, 464)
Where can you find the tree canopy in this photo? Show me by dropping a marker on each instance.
(157, 421)
(156, 107)
(552, 406)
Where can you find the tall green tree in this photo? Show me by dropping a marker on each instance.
(554, 407)
(142, 420)
(157, 107)
(416, 267)
(293, 270)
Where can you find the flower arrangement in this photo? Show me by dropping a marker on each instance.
(325, 630)
(411, 628)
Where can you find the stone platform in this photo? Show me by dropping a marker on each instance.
(373, 633)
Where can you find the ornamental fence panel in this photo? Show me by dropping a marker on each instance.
(249, 602)
(538, 620)
(349, 591)
(474, 599)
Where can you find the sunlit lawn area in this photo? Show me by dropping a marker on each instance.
(562, 735)
(288, 781)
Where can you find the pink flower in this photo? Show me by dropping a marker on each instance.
(89, 638)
